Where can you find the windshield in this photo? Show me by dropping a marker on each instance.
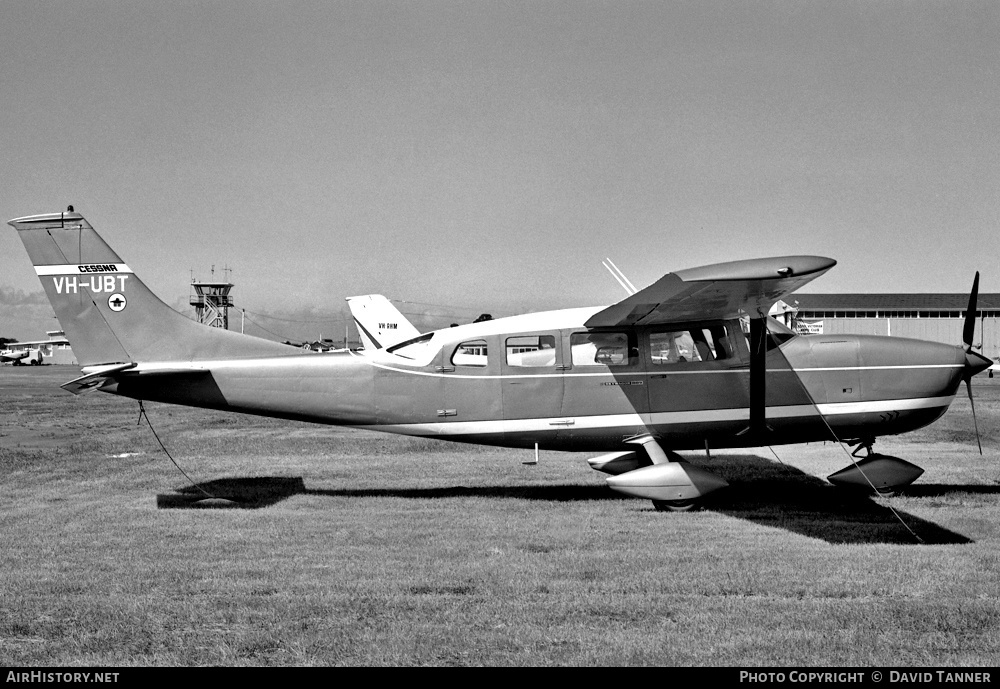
(780, 334)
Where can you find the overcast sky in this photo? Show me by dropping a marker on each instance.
(489, 155)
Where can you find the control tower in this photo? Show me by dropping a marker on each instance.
(211, 302)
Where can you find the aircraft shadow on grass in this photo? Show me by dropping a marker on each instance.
(760, 491)
(773, 494)
(246, 493)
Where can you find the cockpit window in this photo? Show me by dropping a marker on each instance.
(713, 343)
(780, 333)
(601, 349)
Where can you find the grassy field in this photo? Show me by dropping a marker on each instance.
(396, 551)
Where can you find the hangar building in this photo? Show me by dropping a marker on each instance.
(935, 317)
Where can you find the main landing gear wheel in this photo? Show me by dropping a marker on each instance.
(675, 505)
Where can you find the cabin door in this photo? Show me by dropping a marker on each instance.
(697, 381)
(469, 392)
(532, 388)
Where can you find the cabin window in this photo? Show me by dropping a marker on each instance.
(470, 354)
(531, 351)
(601, 349)
(697, 344)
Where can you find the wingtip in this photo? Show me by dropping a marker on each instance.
(777, 267)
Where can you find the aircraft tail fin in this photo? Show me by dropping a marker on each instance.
(380, 324)
(108, 314)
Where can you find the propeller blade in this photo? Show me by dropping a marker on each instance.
(974, 363)
(968, 386)
(970, 314)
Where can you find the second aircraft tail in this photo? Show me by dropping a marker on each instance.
(380, 324)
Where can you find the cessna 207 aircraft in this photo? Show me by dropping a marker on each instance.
(668, 368)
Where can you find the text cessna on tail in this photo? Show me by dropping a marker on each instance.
(668, 368)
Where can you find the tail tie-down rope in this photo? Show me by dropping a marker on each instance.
(142, 413)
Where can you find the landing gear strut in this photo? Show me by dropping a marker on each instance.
(865, 444)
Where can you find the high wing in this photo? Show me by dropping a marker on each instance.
(715, 292)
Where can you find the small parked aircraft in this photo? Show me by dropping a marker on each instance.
(20, 356)
(32, 352)
(668, 368)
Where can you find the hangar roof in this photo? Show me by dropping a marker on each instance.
(892, 302)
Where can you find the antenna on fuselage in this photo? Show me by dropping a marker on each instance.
(619, 276)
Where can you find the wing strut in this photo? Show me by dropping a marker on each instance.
(758, 378)
(758, 429)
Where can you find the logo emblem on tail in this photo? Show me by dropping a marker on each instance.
(117, 302)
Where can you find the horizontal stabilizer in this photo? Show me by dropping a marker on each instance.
(94, 378)
(98, 376)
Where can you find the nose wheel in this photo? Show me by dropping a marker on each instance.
(884, 474)
(675, 505)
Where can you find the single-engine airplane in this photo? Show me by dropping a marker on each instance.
(31, 352)
(20, 356)
(668, 368)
